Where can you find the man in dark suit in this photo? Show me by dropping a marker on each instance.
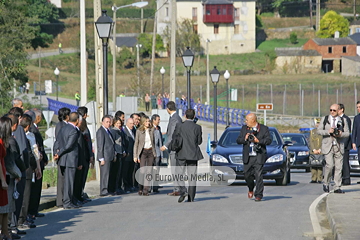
(67, 157)
(36, 187)
(155, 119)
(254, 137)
(346, 165)
(355, 135)
(128, 166)
(105, 153)
(173, 121)
(63, 116)
(189, 154)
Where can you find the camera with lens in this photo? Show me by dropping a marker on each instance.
(251, 137)
(195, 119)
(338, 128)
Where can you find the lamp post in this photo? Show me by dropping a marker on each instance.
(138, 46)
(227, 76)
(114, 9)
(215, 75)
(188, 60)
(57, 72)
(162, 71)
(103, 27)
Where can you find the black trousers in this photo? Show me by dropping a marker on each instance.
(20, 187)
(26, 199)
(127, 172)
(104, 177)
(85, 169)
(346, 168)
(114, 170)
(119, 177)
(35, 195)
(60, 186)
(68, 197)
(78, 185)
(146, 163)
(147, 106)
(191, 173)
(253, 171)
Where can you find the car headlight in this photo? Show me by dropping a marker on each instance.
(275, 158)
(219, 158)
(303, 153)
(353, 157)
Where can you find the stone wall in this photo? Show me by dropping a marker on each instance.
(284, 33)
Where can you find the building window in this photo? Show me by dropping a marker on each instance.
(216, 28)
(224, 10)
(344, 49)
(167, 11)
(207, 11)
(236, 13)
(218, 11)
(194, 14)
(195, 28)
(236, 29)
(330, 50)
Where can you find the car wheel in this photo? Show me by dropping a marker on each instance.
(282, 181)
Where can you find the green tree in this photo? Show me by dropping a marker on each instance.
(126, 58)
(332, 22)
(146, 40)
(293, 38)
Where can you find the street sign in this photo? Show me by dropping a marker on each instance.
(48, 115)
(49, 142)
(264, 106)
(233, 94)
(50, 132)
(48, 86)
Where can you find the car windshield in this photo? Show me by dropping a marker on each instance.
(295, 140)
(228, 139)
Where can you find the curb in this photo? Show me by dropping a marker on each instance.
(313, 209)
(47, 204)
(335, 230)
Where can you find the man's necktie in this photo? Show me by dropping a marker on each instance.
(333, 124)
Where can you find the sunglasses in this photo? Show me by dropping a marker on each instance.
(333, 110)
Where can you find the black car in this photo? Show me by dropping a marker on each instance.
(228, 153)
(299, 150)
(354, 161)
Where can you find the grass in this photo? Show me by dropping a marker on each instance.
(270, 45)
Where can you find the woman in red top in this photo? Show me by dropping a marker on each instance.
(5, 133)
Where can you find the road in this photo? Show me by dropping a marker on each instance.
(218, 213)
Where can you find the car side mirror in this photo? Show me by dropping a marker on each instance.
(213, 144)
(288, 143)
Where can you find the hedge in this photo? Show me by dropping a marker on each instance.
(121, 13)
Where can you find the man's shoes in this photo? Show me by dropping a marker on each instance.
(346, 182)
(14, 236)
(26, 225)
(146, 194)
(17, 231)
(174, 194)
(39, 215)
(312, 181)
(120, 191)
(104, 195)
(72, 207)
(326, 188)
(319, 181)
(140, 193)
(182, 197)
(257, 199)
(250, 194)
(339, 191)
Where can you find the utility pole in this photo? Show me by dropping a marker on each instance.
(311, 13)
(142, 20)
(173, 51)
(114, 60)
(317, 27)
(98, 68)
(83, 65)
(207, 73)
(138, 46)
(153, 56)
(40, 76)
(354, 10)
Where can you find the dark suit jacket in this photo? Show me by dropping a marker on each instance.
(83, 156)
(40, 143)
(129, 142)
(105, 145)
(87, 137)
(355, 135)
(174, 120)
(13, 163)
(21, 139)
(58, 127)
(68, 148)
(119, 137)
(264, 139)
(191, 134)
(348, 142)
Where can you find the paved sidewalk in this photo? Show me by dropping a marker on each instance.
(343, 212)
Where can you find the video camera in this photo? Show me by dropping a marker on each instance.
(339, 127)
(251, 138)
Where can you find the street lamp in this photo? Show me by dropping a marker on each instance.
(227, 76)
(57, 72)
(103, 27)
(215, 75)
(188, 59)
(162, 71)
(114, 9)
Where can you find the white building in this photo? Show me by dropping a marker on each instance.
(229, 25)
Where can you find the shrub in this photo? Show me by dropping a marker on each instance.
(293, 38)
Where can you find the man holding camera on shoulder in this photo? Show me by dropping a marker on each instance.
(335, 132)
(254, 137)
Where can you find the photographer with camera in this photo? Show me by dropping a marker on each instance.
(254, 137)
(335, 132)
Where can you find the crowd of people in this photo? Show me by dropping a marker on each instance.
(22, 161)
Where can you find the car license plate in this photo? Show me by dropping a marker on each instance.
(354, 162)
(292, 159)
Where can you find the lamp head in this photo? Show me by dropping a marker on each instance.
(226, 75)
(104, 25)
(188, 57)
(215, 75)
(56, 71)
(162, 70)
